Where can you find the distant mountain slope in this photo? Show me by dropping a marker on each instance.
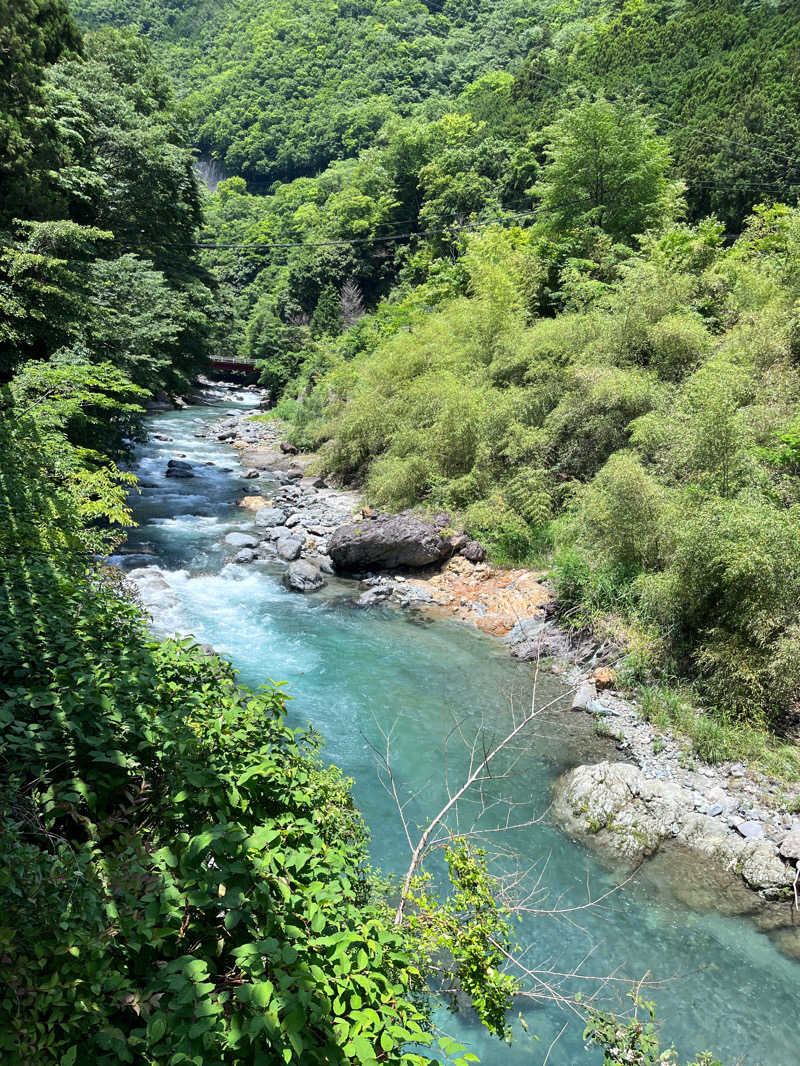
(723, 77)
(278, 89)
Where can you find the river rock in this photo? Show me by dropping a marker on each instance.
(750, 830)
(547, 641)
(473, 552)
(289, 548)
(292, 520)
(303, 576)
(245, 555)
(241, 540)
(621, 809)
(583, 698)
(251, 473)
(525, 630)
(294, 473)
(254, 503)
(270, 516)
(387, 542)
(374, 596)
(287, 448)
(790, 845)
(179, 468)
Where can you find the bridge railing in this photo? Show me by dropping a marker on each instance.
(237, 359)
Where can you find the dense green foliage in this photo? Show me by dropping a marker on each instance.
(646, 430)
(469, 276)
(98, 263)
(278, 90)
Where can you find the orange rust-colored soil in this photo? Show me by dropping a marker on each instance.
(254, 503)
(493, 599)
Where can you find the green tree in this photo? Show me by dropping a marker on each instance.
(327, 317)
(33, 34)
(607, 167)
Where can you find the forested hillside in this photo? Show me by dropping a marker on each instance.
(276, 91)
(182, 879)
(533, 262)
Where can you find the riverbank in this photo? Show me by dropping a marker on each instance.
(731, 815)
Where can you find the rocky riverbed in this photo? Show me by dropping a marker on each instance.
(731, 817)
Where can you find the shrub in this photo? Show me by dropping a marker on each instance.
(678, 343)
(528, 492)
(730, 600)
(622, 513)
(592, 419)
(398, 482)
(506, 534)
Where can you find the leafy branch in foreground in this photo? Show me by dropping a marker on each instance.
(632, 1042)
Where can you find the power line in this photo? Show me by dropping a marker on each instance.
(285, 245)
(267, 246)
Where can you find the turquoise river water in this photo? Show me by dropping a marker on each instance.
(356, 675)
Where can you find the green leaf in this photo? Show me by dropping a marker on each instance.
(156, 1028)
(261, 993)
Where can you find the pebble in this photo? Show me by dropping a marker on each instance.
(749, 830)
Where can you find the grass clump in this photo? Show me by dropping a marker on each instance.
(715, 739)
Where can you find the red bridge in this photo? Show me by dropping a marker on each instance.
(232, 364)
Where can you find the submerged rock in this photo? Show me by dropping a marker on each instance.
(621, 809)
(303, 576)
(374, 596)
(179, 468)
(387, 542)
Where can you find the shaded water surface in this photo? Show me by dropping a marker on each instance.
(358, 675)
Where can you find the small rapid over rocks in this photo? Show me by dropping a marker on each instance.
(204, 565)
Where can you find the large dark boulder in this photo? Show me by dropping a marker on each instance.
(386, 542)
(303, 576)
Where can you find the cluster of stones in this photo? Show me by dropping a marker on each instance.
(310, 527)
(621, 808)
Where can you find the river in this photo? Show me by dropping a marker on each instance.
(357, 675)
